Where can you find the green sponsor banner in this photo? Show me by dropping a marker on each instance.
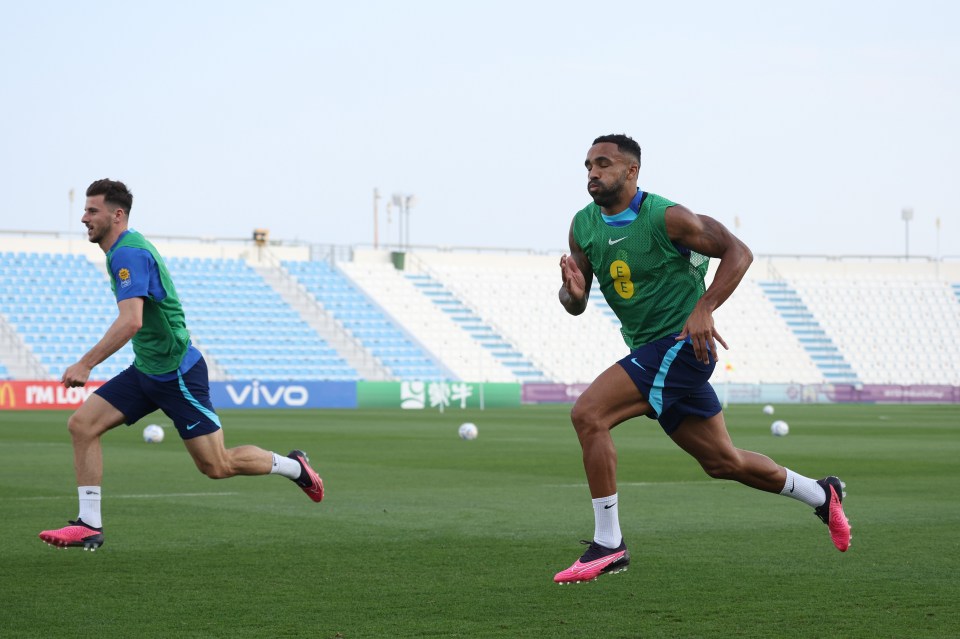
(437, 395)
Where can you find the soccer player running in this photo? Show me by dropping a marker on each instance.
(167, 373)
(650, 257)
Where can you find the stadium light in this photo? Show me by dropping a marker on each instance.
(408, 201)
(907, 215)
(397, 200)
(938, 239)
(403, 202)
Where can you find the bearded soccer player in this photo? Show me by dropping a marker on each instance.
(168, 373)
(650, 257)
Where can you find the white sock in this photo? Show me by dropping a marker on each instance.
(606, 521)
(285, 466)
(803, 489)
(90, 505)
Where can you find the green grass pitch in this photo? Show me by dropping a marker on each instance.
(425, 535)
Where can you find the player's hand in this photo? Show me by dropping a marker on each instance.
(703, 335)
(76, 375)
(573, 279)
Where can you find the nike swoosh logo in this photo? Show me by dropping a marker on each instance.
(92, 492)
(610, 506)
(612, 241)
(609, 559)
(634, 360)
(793, 484)
(190, 427)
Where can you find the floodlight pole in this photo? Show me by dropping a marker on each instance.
(397, 200)
(907, 215)
(938, 239)
(403, 202)
(408, 201)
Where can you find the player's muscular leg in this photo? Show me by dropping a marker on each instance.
(95, 417)
(610, 400)
(217, 462)
(708, 441)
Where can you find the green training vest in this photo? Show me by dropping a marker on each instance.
(650, 285)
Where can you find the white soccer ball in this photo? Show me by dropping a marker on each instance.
(779, 428)
(768, 410)
(153, 434)
(468, 431)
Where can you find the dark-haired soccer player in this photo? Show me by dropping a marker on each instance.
(168, 373)
(650, 257)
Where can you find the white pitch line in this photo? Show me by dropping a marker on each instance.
(635, 484)
(109, 496)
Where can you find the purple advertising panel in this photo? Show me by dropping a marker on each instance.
(551, 393)
(780, 393)
(892, 394)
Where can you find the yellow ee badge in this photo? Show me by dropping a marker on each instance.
(622, 284)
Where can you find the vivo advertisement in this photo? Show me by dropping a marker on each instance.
(283, 394)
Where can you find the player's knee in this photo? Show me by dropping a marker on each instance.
(79, 427)
(584, 419)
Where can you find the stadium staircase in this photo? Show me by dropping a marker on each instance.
(516, 295)
(478, 330)
(895, 326)
(16, 360)
(393, 348)
(811, 335)
(314, 313)
(245, 328)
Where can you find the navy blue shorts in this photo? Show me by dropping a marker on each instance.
(185, 400)
(673, 380)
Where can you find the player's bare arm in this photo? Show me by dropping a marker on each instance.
(128, 322)
(577, 277)
(707, 236)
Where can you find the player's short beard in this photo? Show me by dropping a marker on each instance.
(98, 234)
(608, 196)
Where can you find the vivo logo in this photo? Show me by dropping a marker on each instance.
(256, 392)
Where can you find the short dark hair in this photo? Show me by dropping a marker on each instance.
(113, 192)
(625, 144)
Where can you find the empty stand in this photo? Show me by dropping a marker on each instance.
(809, 333)
(367, 322)
(491, 317)
(60, 305)
(763, 348)
(246, 328)
(893, 329)
(516, 295)
(465, 320)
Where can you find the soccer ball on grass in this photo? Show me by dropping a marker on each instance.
(153, 434)
(468, 431)
(779, 428)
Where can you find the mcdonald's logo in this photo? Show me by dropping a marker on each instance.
(8, 398)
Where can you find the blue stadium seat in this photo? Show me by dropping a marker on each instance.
(245, 324)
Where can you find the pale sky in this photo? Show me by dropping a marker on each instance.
(812, 123)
